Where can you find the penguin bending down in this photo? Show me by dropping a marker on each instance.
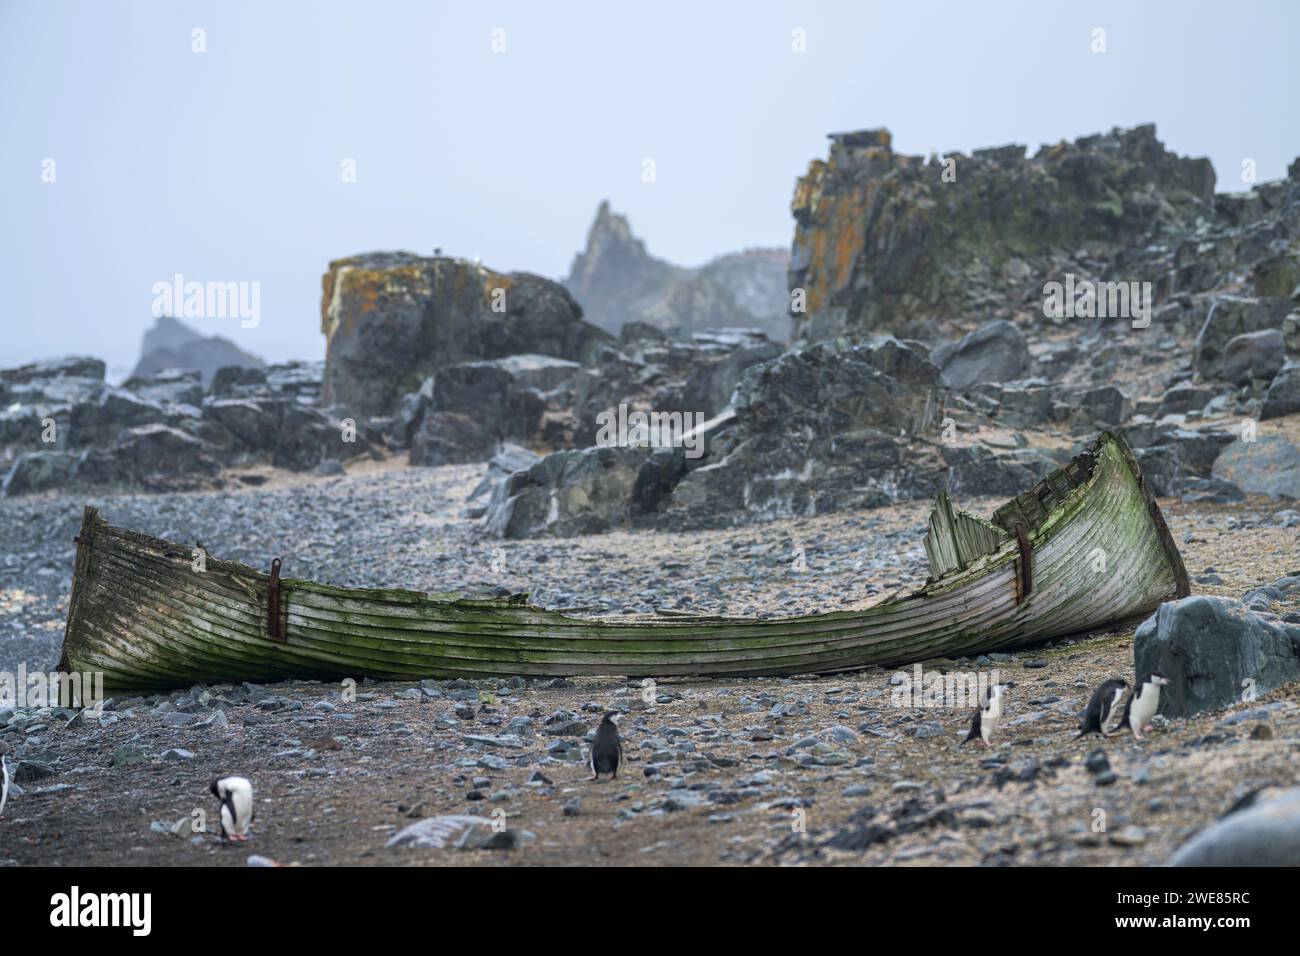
(985, 722)
(606, 749)
(236, 796)
(1143, 703)
(1104, 713)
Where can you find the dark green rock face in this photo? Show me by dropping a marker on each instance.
(391, 319)
(893, 242)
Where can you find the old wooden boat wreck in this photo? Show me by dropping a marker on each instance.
(1085, 547)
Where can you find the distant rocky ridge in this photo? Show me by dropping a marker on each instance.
(976, 392)
(171, 344)
(618, 282)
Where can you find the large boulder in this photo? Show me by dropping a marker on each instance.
(176, 386)
(1216, 653)
(492, 393)
(710, 384)
(149, 456)
(99, 420)
(975, 471)
(1103, 405)
(39, 471)
(392, 318)
(450, 438)
(282, 432)
(995, 352)
(1171, 457)
(1264, 833)
(694, 375)
(1023, 404)
(821, 429)
(1283, 396)
(1254, 355)
(233, 379)
(581, 491)
(1270, 465)
(1231, 316)
(1183, 398)
(308, 436)
(508, 460)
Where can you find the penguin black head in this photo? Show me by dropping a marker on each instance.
(213, 789)
(611, 717)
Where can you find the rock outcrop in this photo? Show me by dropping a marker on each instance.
(995, 352)
(1113, 258)
(1216, 652)
(818, 430)
(1283, 396)
(888, 241)
(64, 427)
(392, 318)
(1270, 465)
(619, 282)
(171, 344)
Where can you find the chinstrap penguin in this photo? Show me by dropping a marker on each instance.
(1143, 703)
(606, 749)
(985, 722)
(4, 784)
(1104, 712)
(236, 796)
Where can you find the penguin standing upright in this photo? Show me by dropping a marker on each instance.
(1143, 703)
(985, 722)
(236, 796)
(1104, 714)
(606, 749)
(4, 775)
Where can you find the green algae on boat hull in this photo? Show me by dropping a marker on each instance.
(142, 614)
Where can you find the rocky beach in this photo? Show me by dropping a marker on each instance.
(829, 769)
(1038, 409)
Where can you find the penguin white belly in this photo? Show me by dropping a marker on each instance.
(1144, 707)
(989, 721)
(242, 802)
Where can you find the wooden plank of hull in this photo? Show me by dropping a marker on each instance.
(140, 614)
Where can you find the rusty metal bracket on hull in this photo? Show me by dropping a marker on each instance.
(1025, 580)
(273, 603)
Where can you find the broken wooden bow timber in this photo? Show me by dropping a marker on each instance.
(142, 615)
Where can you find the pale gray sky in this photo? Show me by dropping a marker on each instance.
(225, 165)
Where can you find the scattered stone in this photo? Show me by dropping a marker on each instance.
(1266, 834)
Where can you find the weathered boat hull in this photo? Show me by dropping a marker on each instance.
(141, 614)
